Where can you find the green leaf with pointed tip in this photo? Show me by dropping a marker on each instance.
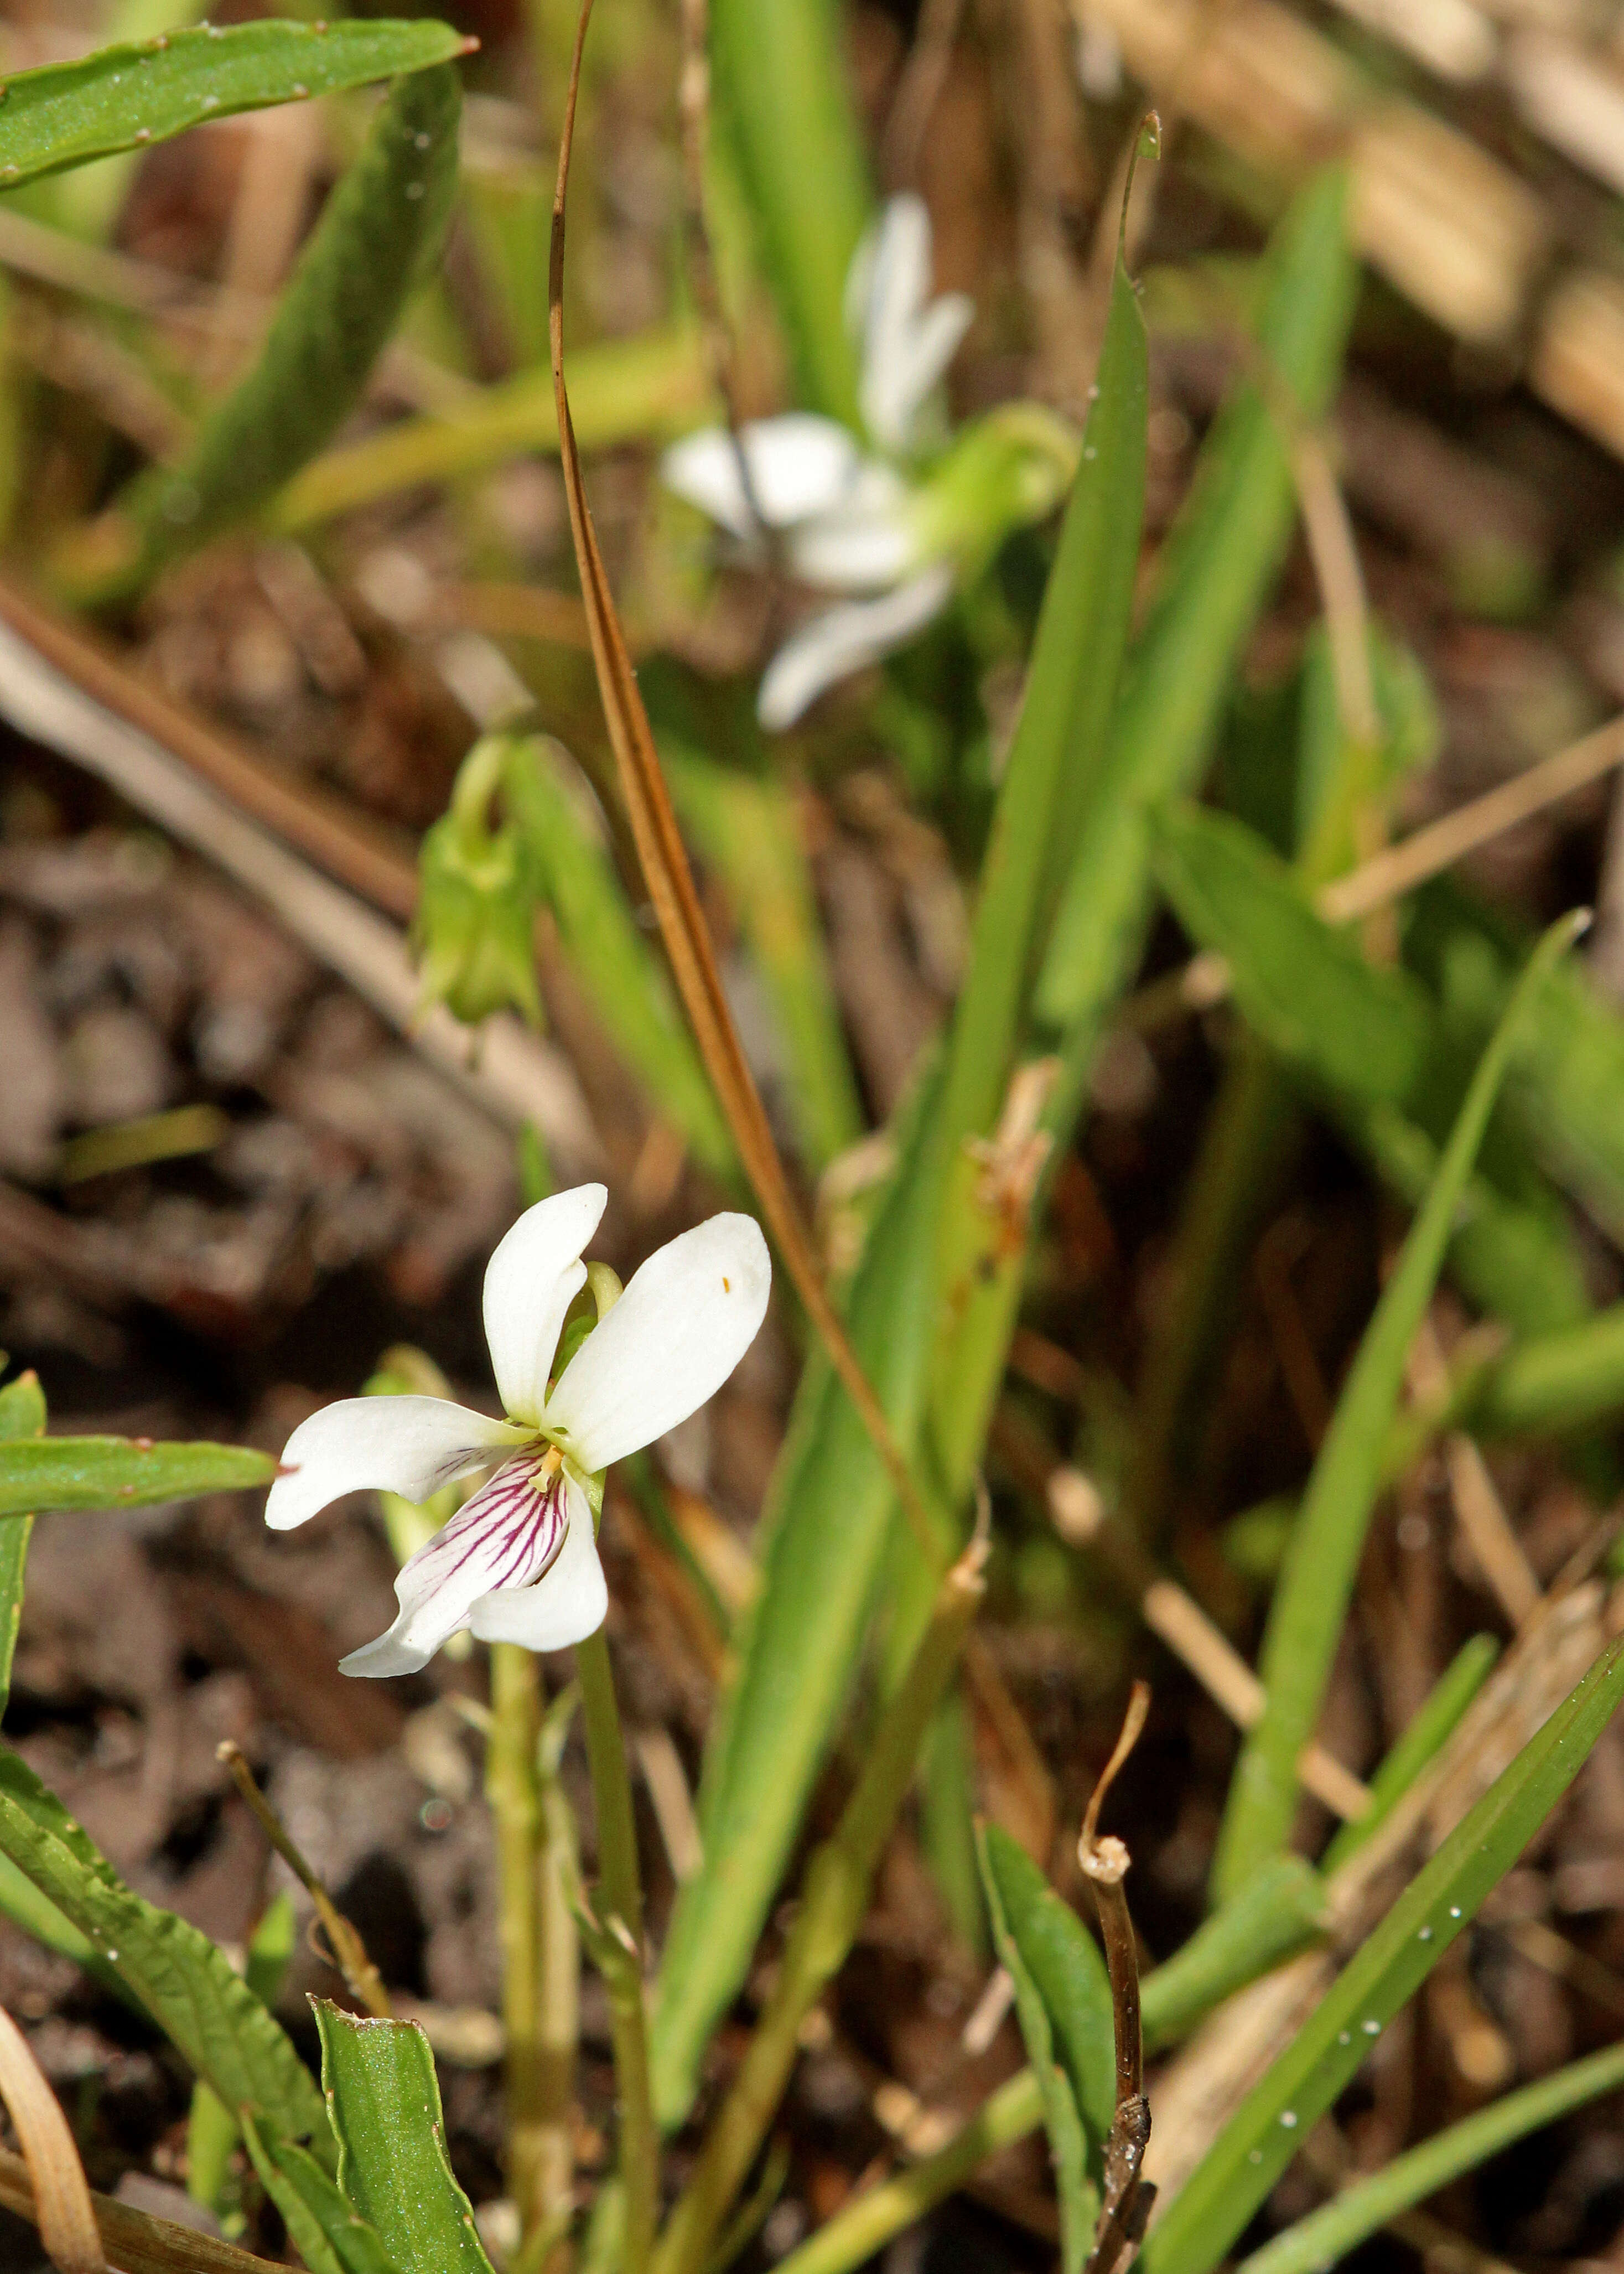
(1327, 2235)
(379, 232)
(1063, 1998)
(1311, 1599)
(383, 2099)
(61, 1472)
(208, 2013)
(122, 98)
(329, 2232)
(1215, 573)
(1254, 2148)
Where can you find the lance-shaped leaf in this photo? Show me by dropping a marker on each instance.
(1249, 2155)
(1311, 1599)
(208, 2013)
(122, 98)
(63, 1472)
(377, 236)
(1063, 1997)
(383, 2099)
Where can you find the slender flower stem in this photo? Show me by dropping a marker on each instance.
(834, 1897)
(516, 1808)
(559, 2012)
(620, 1910)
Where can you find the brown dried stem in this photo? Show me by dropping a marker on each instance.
(664, 863)
(348, 1952)
(1105, 1862)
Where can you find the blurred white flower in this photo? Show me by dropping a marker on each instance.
(518, 1562)
(869, 523)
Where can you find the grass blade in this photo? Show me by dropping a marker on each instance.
(832, 1497)
(782, 80)
(1331, 2232)
(1217, 569)
(1427, 1734)
(1253, 2150)
(1311, 1599)
(122, 98)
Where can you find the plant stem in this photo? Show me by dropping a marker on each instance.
(620, 1911)
(558, 2005)
(834, 1897)
(515, 1807)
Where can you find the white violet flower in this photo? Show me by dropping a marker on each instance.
(518, 1562)
(866, 523)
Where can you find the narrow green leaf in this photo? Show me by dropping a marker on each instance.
(821, 1548)
(1064, 721)
(745, 829)
(329, 2235)
(379, 231)
(122, 98)
(1215, 571)
(783, 95)
(1251, 2151)
(1063, 1998)
(1357, 1029)
(208, 2013)
(1567, 1092)
(22, 1424)
(383, 2099)
(1371, 1047)
(1329, 2235)
(1428, 1732)
(1311, 1601)
(833, 1502)
(62, 1472)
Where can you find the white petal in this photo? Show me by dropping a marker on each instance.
(684, 1322)
(798, 465)
(898, 285)
(508, 1534)
(566, 1606)
(931, 347)
(866, 544)
(529, 1282)
(405, 1445)
(844, 640)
